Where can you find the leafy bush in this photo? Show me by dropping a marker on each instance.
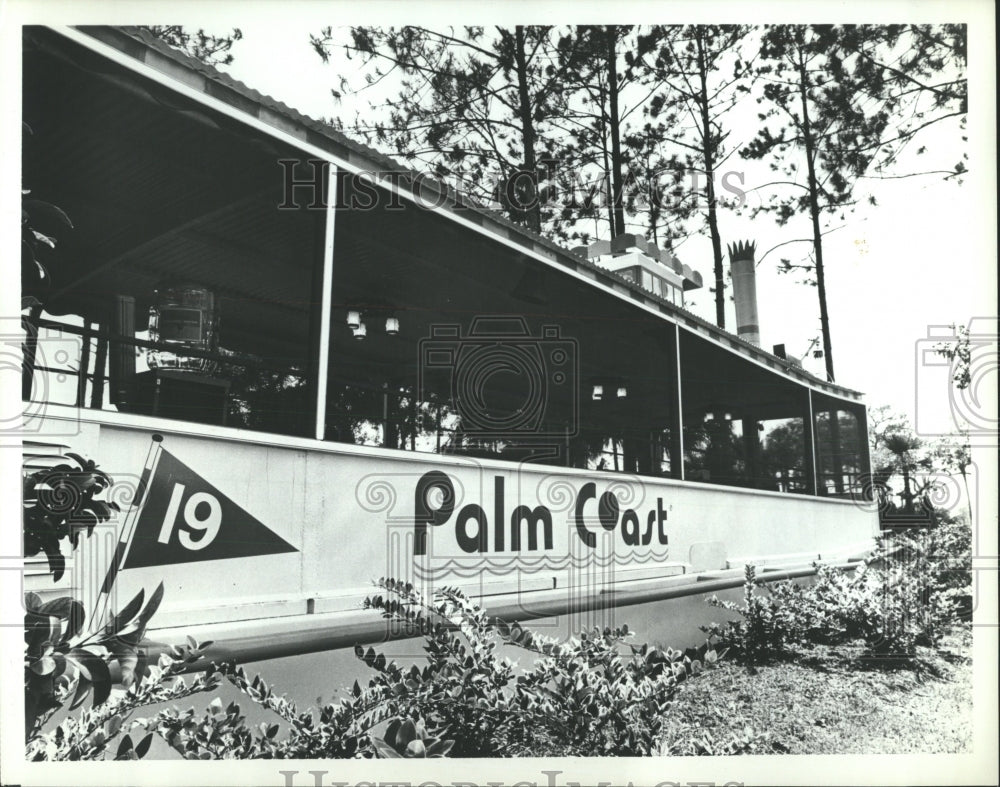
(60, 503)
(88, 736)
(592, 695)
(59, 654)
(944, 552)
(704, 744)
(908, 593)
(767, 624)
(65, 663)
(404, 738)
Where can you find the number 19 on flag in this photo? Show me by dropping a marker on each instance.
(185, 519)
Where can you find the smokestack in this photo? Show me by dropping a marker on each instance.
(743, 270)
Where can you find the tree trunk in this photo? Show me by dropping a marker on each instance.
(907, 494)
(608, 189)
(824, 317)
(615, 126)
(534, 213)
(709, 159)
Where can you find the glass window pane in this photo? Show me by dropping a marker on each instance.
(195, 291)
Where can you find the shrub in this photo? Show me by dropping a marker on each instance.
(592, 695)
(767, 624)
(944, 552)
(61, 657)
(88, 736)
(60, 503)
(908, 593)
(703, 743)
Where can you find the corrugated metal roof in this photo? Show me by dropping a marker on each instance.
(146, 48)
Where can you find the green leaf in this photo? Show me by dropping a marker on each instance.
(124, 747)
(384, 750)
(406, 733)
(102, 680)
(143, 746)
(32, 602)
(440, 749)
(78, 658)
(82, 691)
(130, 611)
(112, 725)
(151, 606)
(44, 666)
(47, 212)
(57, 561)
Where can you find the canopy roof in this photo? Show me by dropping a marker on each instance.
(201, 198)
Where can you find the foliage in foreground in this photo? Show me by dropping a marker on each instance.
(591, 695)
(906, 594)
(89, 736)
(64, 662)
(60, 503)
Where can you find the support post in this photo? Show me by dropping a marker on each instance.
(81, 379)
(100, 361)
(809, 435)
(323, 370)
(677, 433)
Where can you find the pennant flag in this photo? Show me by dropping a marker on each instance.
(184, 519)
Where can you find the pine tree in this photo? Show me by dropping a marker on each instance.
(694, 65)
(847, 100)
(473, 106)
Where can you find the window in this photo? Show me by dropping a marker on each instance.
(841, 446)
(189, 293)
(743, 425)
(496, 355)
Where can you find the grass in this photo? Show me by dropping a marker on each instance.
(829, 700)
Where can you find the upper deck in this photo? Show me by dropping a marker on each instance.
(173, 173)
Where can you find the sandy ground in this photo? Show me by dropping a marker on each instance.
(824, 704)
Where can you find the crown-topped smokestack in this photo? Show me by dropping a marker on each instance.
(744, 273)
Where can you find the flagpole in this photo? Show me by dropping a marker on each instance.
(104, 595)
